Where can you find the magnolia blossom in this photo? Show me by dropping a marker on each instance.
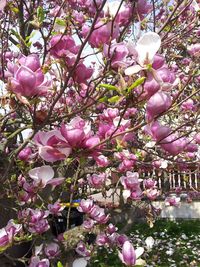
(131, 183)
(146, 47)
(129, 255)
(157, 104)
(98, 214)
(103, 33)
(152, 194)
(52, 146)
(35, 220)
(102, 239)
(82, 250)
(86, 205)
(28, 78)
(96, 180)
(8, 233)
(149, 183)
(88, 224)
(64, 46)
(25, 154)
(52, 250)
(55, 208)
(43, 176)
(2, 4)
(172, 201)
(37, 262)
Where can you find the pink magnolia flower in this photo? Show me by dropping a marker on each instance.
(128, 255)
(55, 208)
(8, 233)
(173, 144)
(159, 132)
(28, 78)
(158, 61)
(98, 214)
(143, 7)
(131, 180)
(152, 194)
(151, 86)
(188, 105)
(63, 46)
(102, 239)
(194, 49)
(35, 220)
(197, 138)
(121, 239)
(2, 4)
(4, 238)
(82, 250)
(96, 180)
(117, 53)
(102, 161)
(149, 183)
(109, 114)
(37, 262)
(166, 76)
(52, 250)
(172, 201)
(52, 145)
(82, 73)
(191, 147)
(103, 33)
(25, 154)
(86, 205)
(76, 132)
(157, 104)
(88, 224)
(43, 176)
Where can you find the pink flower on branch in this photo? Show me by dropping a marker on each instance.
(28, 78)
(43, 176)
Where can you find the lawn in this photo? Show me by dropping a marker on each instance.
(175, 244)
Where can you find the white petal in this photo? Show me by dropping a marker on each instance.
(139, 251)
(147, 46)
(164, 164)
(81, 262)
(126, 194)
(149, 242)
(141, 262)
(34, 173)
(45, 173)
(133, 70)
(195, 5)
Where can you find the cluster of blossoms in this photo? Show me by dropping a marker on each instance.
(103, 90)
(41, 177)
(9, 233)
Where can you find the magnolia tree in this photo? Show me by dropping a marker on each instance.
(92, 93)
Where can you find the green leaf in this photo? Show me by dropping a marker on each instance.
(59, 264)
(40, 14)
(114, 99)
(60, 22)
(103, 99)
(109, 87)
(136, 84)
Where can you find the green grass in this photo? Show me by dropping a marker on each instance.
(181, 237)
